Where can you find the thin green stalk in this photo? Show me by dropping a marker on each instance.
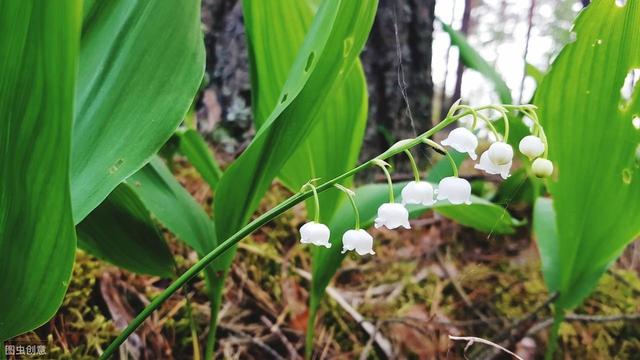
(253, 226)
(389, 181)
(414, 167)
(311, 321)
(552, 345)
(351, 195)
(316, 201)
(194, 332)
(440, 148)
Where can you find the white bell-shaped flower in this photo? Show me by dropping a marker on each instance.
(500, 153)
(531, 146)
(542, 167)
(358, 240)
(316, 234)
(392, 216)
(489, 167)
(463, 141)
(417, 192)
(455, 189)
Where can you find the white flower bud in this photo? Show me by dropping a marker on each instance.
(490, 168)
(531, 146)
(417, 192)
(358, 240)
(542, 167)
(316, 234)
(392, 216)
(455, 189)
(500, 153)
(462, 140)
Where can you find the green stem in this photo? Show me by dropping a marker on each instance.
(316, 200)
(308, 342)
(440, 148)
(194, 332)
(253, 226)
(350, 194)
(552, 345)
(414, 167)
(389, 182)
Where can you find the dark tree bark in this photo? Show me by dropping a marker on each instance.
(397, 61)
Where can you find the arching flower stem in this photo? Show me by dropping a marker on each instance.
(383, 165)
(441, 149)
(351, 195)
(414, 167)
(316, 200)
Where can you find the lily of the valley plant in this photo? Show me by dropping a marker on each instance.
(496, 160)
(392, 215)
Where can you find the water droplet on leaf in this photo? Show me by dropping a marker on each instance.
(627, 176)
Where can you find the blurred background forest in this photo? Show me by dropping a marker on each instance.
(438, 280)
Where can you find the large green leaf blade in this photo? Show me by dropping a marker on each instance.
(38, 62)
(120, 230)
(593, 144)
(304, 93)
(545, 228)
(481, 214)
(276, 31)
(141, 65)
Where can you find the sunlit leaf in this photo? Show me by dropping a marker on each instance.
(39, 43)
(141, 63)
(596, 188)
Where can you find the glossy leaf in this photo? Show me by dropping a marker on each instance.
(481, 214)
(195, 148)
(592, 142)
(141, 63)
(276, 32)
(473, 60)
(39, 44)
(120, 230)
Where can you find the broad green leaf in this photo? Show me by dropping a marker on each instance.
(276, 31)
(120, 230)
(173, 206)
(321, 66)
(141, 63)
(473, 60)
(39, 43)
(544, 226)
(195, 148)
(481, 214)
(592, 142)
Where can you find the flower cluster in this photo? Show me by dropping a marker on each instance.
(496, 160)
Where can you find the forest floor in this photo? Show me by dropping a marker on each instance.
(423, 285)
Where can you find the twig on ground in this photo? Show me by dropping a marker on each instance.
(367, 348)
(462, 294)
(620, 278)
(471, 340)
(259, 343)
(586, 319)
